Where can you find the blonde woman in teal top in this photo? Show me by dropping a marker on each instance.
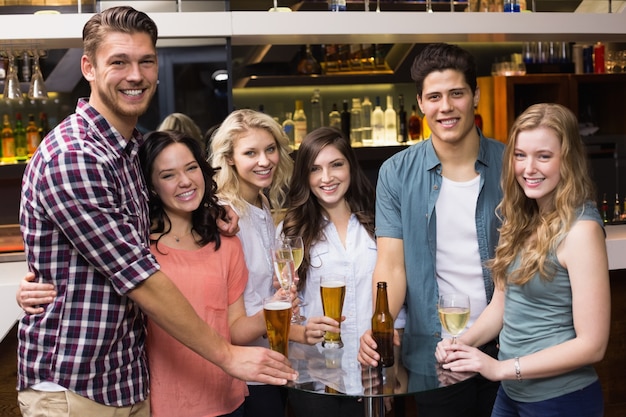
(551, 307)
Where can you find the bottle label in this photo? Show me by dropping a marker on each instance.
(8, 148)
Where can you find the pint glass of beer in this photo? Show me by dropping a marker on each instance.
(333, 289)
(277, 312)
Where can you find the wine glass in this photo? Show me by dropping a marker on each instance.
(37, 88)
(297, 252)
(454, 313)
(283, 263)
(12, 89)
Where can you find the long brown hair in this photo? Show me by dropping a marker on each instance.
(305, 215)
(526, 231)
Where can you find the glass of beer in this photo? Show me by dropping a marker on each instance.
(333, 290)
(277, 312)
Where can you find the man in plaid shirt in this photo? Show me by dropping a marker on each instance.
(84, 218)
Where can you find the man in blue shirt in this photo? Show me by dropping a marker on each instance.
(435, 221)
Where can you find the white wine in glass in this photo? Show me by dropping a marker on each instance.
(283, 263)
(454, 313)
(297, 252)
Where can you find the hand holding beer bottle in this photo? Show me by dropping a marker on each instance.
(382, 327)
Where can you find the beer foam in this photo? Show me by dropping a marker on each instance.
(277, 305)
(333, 284)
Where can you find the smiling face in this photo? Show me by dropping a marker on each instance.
(448, 105)
(123, 79)
(178, 180)
(255, 158)
(329, 177)
(537, 163)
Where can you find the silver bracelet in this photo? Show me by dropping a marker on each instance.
(518, 371)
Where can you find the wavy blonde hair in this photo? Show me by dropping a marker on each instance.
(526, 231)
(234, 126)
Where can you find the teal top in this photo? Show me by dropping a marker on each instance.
(538, 315)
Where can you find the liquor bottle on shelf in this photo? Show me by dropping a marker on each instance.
(624, 209)
(391, 129)
(33, 138)
(337, 5)
(355, 57)
(478, 120)
(343, 52)
(604, 210)
(44, 127)
(402, 122)
(425, 128)
(415, 124)
(382, 327)
(366, 121)
(289, 127)
(308, 64)
(345, 119)
(19, 133)
(317, 111)
(299, 120)
(617, 213)
(8, 141)
(378, 124)
(331, 58)
(334, 117)
(355, 123)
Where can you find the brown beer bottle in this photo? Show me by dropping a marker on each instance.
(382, 326)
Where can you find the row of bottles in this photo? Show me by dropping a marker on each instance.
(20, 142)
(617, 215)
(364, 122)
(334, 58)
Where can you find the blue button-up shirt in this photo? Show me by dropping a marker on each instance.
(407, 190)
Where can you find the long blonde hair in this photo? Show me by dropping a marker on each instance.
(526, 231)
(222, 146)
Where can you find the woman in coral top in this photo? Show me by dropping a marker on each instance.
(207, 267)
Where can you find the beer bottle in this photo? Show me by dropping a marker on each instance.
(19, 133)
(33, 137)
(8, 141)
(382, 326)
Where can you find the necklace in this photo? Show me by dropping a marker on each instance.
(178, 238)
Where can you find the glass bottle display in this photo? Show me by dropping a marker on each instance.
(378, 124)
(345, 119)
(308, 64)
(299, 120)
(415, 124)
(8, 141)
(391, 129)
(44, 127)
(366, 121)
(19, 133)
(317, 110)
(337, 5)
(334, 117)
(403, 130)
(355, 123)
(33, 138)
(289, 127)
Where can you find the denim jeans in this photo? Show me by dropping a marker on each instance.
(587, 402)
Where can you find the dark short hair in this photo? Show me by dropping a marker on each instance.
(440, 57)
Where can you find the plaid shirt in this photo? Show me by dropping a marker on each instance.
(84, 218)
